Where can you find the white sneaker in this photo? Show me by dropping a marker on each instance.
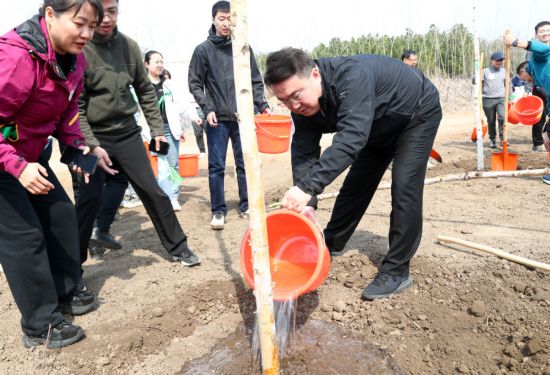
(218, 221)
(131, 202)
(429, 165)
(175, 205)
(202, 155)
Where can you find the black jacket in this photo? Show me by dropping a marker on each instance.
(211, 78)
(360, 93)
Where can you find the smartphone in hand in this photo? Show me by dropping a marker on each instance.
(164, 146)
(75, 157)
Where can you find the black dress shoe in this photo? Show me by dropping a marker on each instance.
(100, 238)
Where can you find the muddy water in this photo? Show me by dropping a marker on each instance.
(317, 347)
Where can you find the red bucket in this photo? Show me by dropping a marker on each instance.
(529, 109)
(298, 257)
(189, 165)
(273, 133)
(512, 115)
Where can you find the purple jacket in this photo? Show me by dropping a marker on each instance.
(35, 95)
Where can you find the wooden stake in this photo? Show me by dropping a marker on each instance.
(460, 177)
(478, 64)
(506, 96)
(499, 253)
(258, 229)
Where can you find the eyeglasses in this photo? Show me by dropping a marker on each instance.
(297, 96)
(111, 13)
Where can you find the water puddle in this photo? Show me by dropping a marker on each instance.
(317, 347)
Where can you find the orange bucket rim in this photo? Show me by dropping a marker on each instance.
(273, 118)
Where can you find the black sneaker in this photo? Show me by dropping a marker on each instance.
(96, 252)
(81, 302)
(493, 144)
(63, 334)
(101, 238)
(187, 258)
(385, 285)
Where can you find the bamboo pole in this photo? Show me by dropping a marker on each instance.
(258, 229)
(477, 96)
(460, 177)
(506, 97)
(499, 253)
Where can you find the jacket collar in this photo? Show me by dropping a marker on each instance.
(323, 99)
(218, 41)
(105, 40)
(35, 33)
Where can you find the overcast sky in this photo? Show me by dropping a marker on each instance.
(175, 27)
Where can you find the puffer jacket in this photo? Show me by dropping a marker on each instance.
(37, 99)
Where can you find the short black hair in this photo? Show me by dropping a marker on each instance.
(63, 6)
(220, 6)
(166, 73)
(541, 24)
(521, 67)
(150, 53)
(407, 54)
(283, 64)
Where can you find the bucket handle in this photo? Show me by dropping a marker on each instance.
(269, 134)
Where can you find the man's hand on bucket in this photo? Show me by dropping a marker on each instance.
(295, 199)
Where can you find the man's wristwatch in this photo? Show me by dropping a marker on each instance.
(515, 43)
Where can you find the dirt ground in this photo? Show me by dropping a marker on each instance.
(467, 313)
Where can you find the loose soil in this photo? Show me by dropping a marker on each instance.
(466, 313)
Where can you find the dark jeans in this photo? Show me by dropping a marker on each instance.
(218, 140)
(129, 156)
(408, 143)
(38, 250)
(493, 108)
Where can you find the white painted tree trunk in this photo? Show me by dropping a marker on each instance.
(258, 229)
(477, 93)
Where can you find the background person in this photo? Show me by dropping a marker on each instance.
(410, 57)
(173, 113)
(107, 111)
(41, 68)
(493, 94)
(212, 84)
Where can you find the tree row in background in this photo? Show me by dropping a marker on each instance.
(441, 53)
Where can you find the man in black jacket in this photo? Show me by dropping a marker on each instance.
(212, 84)
(380, 109)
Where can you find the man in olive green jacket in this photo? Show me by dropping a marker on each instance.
(107, 121)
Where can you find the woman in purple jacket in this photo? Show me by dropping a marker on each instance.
(41, 68)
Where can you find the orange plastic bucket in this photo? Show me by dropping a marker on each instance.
(529, 109)
(512, 115)
(152, 160)
(298, 257)
(273, 133)
(189, 165)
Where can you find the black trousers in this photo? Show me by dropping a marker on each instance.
(408, 143)
(38, 250)
(113, 193)
(128, 155)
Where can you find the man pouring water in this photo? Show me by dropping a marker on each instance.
(379, 110)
